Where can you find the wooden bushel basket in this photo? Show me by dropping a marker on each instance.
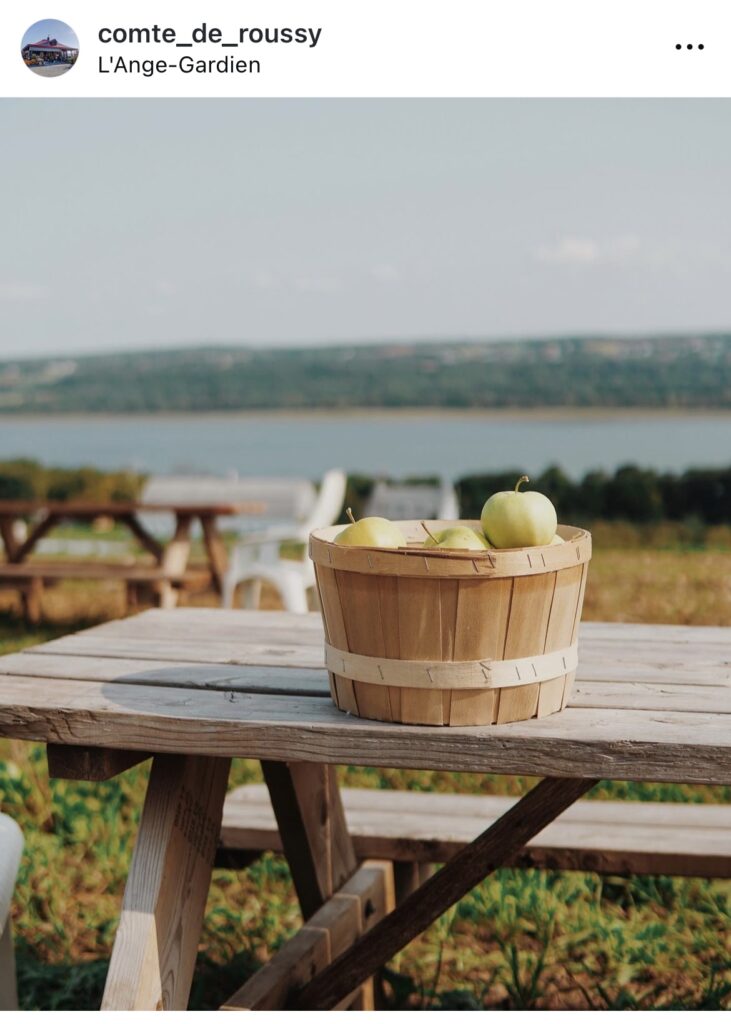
(432, 637)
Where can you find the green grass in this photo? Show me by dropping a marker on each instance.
(521, 940)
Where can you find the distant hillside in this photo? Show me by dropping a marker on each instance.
(676, 372)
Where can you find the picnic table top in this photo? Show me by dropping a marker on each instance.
(649, 703)
(92, 509)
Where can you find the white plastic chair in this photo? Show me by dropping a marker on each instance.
(256, 558)
(11, 846)
(413, 501)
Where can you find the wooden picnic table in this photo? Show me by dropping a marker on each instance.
(196, 687)
(171, 558)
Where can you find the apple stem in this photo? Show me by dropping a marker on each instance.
(349, 514)
(523, 480)
(428, 531)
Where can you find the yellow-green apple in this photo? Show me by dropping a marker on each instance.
(371, 532)
(518, 519)
(557, 540)
(456, 537)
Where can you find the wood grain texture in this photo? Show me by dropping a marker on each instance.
(426, 674)
(619, 743)
(157, 940)
(649, 701)
(434, 611)
(361, 902)
(468, 867)
(311, 821)
(7, 535)
(415, 560)
(610, 837)
(92, 764)
(8, 983)
(608, 650)
(215, 549)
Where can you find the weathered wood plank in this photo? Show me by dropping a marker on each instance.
(362, 901)
(620, 662)
(8, 983)
(615, 743)
(198, 635)
(615, 837)
(466, 869)
(229, 624)
(83, 510)
(203, 648)
(92, 764)
(707, 693)
(245, 678)
(641, 632)
(157, 940)
(306, 802)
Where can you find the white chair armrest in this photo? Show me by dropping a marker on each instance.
(11, 847)
(285, 532)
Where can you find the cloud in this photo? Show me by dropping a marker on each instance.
(165, 288)
(385, 273)
(569, 252)
(321, 284)
(264, 281)
(574, 251)
(21, 291)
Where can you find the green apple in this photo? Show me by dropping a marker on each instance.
(457, 538)
(557, 540)
(371, 532)
(519, 519)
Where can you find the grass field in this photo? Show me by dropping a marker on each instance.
(522, 939)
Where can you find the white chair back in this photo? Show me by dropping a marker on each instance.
(329, 503)
(413, 501)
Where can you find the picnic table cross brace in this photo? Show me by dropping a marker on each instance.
(463, 872)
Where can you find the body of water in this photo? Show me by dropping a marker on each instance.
(373, 443)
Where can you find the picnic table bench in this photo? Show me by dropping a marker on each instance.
(196, 687)
(169, 572)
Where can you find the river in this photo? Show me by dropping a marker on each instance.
(396, 444)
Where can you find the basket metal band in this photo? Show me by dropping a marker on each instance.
(451, 675)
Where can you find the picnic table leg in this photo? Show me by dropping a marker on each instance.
(164, 900)
(7, 535)
(39, 531)
(146, 540)
(465, 870)
(32, 599)
(216, 551)
(175, 560)
(311, 821)
(319, 850)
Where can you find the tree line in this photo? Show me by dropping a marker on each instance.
(683, 373)
(631, 493)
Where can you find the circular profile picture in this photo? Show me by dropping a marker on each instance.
(50, 48)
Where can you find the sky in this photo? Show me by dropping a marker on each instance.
(130, 224)
(49, 28)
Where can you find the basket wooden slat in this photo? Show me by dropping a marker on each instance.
(421, 605)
